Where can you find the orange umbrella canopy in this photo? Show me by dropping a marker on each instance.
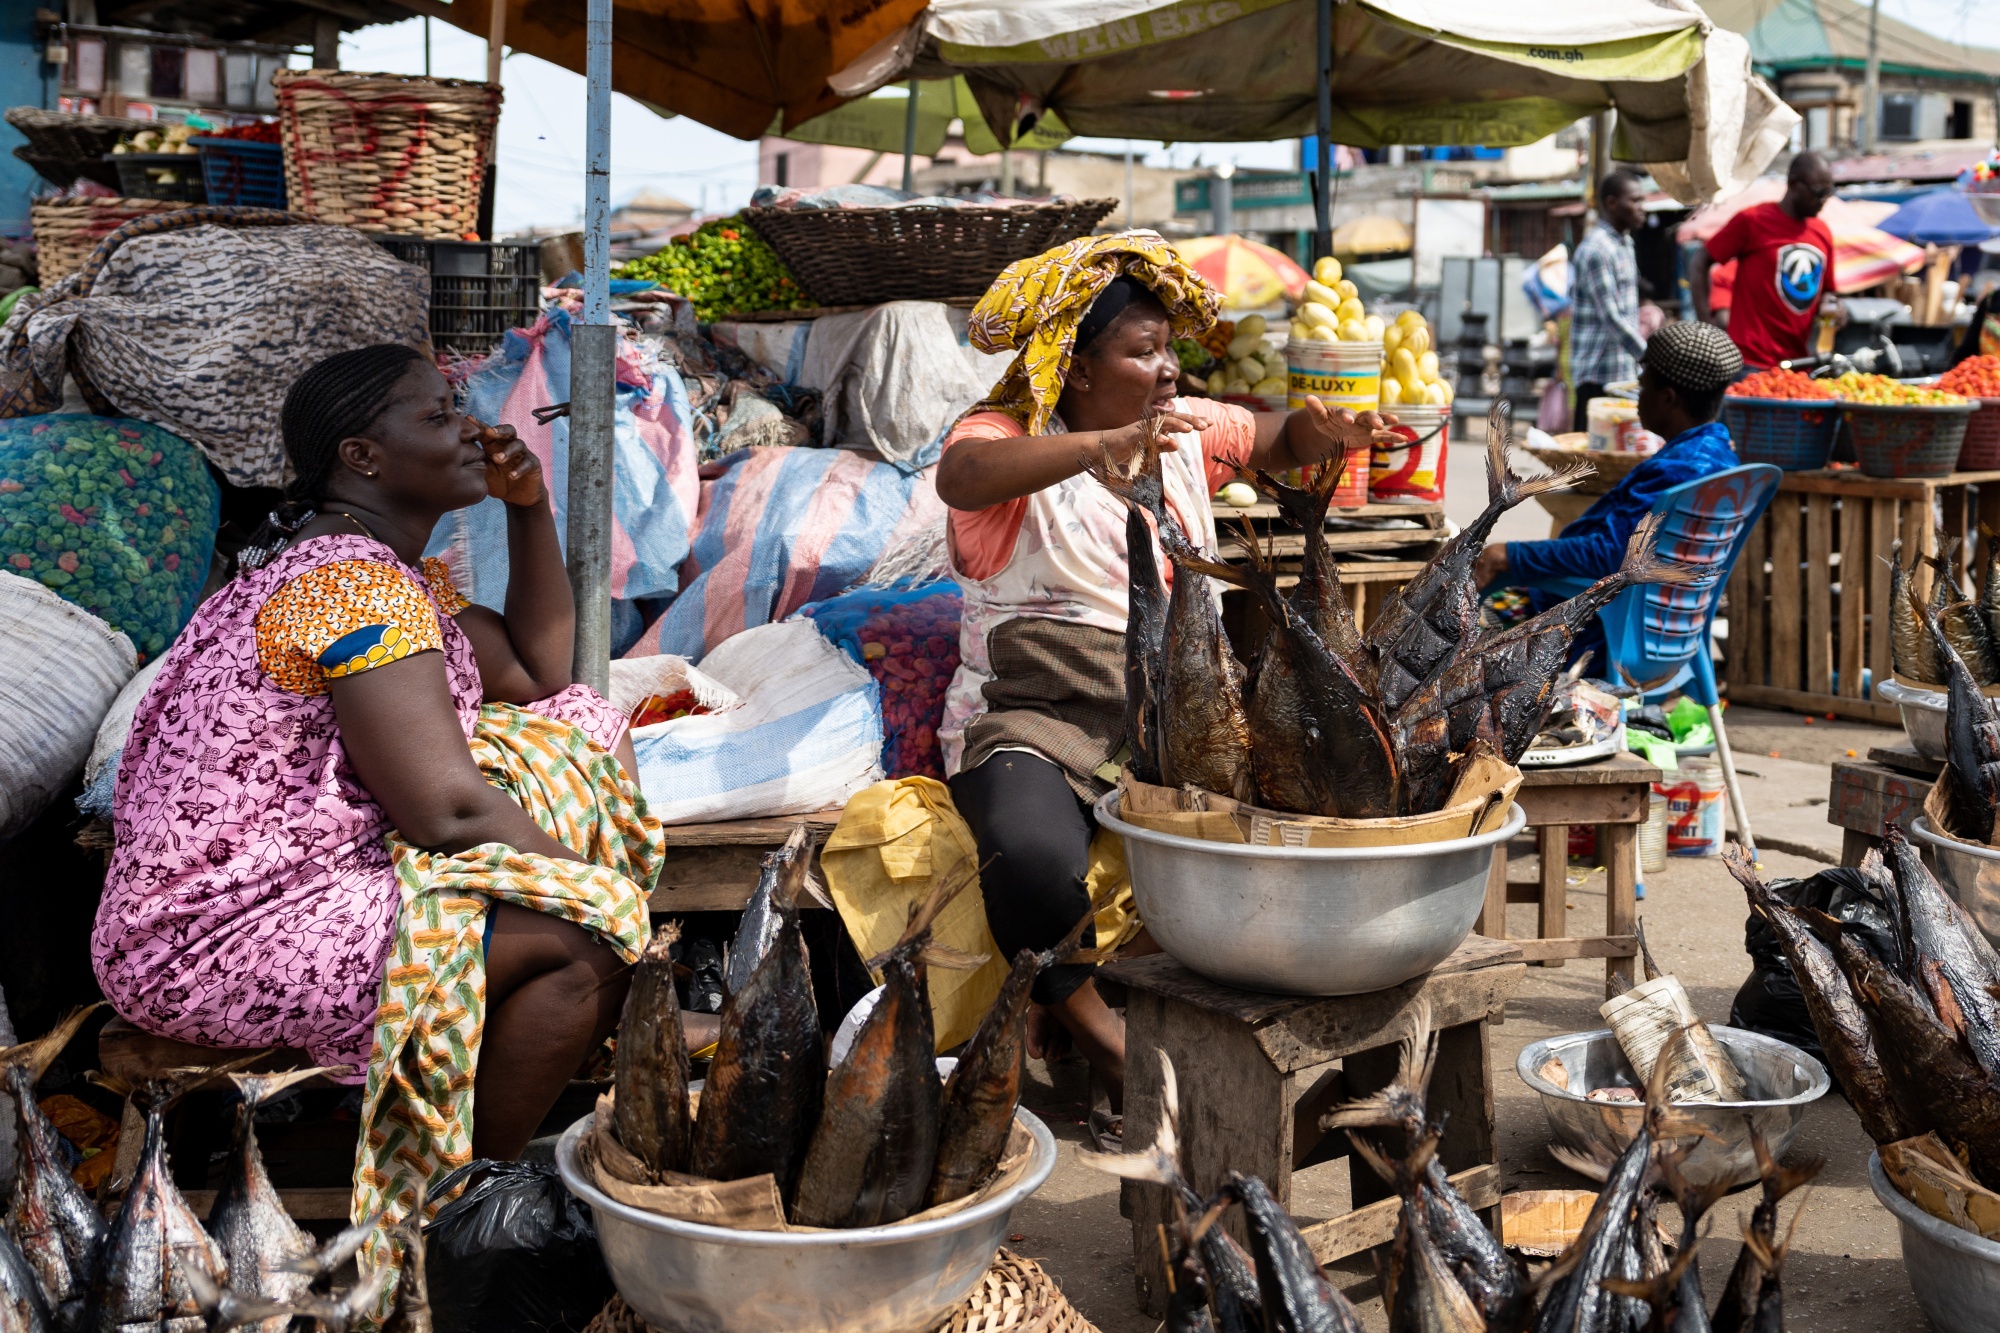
(1249, 274)
(731, 64)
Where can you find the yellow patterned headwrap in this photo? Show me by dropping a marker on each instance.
(1037, 303)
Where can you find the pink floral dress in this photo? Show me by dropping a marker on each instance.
(251, 900)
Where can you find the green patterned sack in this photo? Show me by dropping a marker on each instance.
(113, 515)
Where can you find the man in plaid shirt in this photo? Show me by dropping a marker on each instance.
(1604, 340)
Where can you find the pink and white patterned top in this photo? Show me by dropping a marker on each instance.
(1067, 558)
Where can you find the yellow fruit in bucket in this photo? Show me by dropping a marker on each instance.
(1353, 331)
(1376, 328)
(1409, 317)
(1434, 395)
(1392, 392)
(1327, 270)
(1251, 326)
(1351, 309)
(1427, 366)
(1402, 365)
(1392, 338)
(1325, 333)
(1348, 291)
(1323, 295)
(1418, 340)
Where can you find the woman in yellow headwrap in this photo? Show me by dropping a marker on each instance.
(1034, 720)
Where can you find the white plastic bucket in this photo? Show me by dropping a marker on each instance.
(1414, 474)
(1694, 809)
(1345, 375)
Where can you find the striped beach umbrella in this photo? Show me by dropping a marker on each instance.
(1249, 274)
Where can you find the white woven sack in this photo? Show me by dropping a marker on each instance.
(60, 668)
(807, 737)
(117, 723)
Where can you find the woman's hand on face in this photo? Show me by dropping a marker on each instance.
(513, 473)
(1334, 427)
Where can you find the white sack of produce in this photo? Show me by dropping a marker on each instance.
(808, 736)
(635, 680)
(200, 328)
(100, 770)
(60, 669)
(895, 377)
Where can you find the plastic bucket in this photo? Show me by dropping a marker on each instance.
(1614, 427)
(1793, 434)
(1345, 375)
(1907, 441)
(1653, 836)
(1694, 809)
(1415, 474)
(1981, 450)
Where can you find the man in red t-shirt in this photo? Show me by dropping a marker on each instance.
(1784, 263)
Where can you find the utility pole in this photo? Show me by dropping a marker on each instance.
(1128, 185)
(1222, 200)
(592, 377)
(1323, 177)
(1871, 82)
(909, 137)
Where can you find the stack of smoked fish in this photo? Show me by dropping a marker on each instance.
(1445, 1272)
(874, 1140)
(1970, 627)
(1334, 721)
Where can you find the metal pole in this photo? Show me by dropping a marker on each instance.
(1129, 224)
(1323, 146)
(496, 38)
(593, 363)
(427, 46)
(1600, 155)
(909, 136)
(1222, 200)
(1871, 83)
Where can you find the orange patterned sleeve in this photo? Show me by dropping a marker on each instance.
(437, 575)
(343, 618)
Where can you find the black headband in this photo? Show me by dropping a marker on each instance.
(1109, 305)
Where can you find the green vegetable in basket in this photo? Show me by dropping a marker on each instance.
(115, 516)
(1193, 356)
(723, 268)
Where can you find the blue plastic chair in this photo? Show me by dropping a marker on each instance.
(1657, 635)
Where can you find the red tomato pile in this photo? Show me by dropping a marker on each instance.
(911, 648)
(1974, 377)
(1779, 383)
(666, 707)
(261, 131)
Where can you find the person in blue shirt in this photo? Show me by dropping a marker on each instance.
(1682, 376)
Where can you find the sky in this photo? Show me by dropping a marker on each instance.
(541, 150)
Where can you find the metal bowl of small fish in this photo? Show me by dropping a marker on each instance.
(684, 1277)
(1923, 715)
(1969, 873)
(1955, 1273)
(1592, 1130)
(1307, 920)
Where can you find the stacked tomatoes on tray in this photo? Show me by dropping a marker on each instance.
(1780, 383)
(1974, 377)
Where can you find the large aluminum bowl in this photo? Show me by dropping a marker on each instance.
(1307, 920)
(1923, 715)
(1969, 873)
(1955, 1273)
(683, 1277)
(1782, 1079)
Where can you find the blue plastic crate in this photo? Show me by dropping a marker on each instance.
(1795, 434)
(243, 173)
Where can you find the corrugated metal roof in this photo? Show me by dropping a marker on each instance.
(1795, 33)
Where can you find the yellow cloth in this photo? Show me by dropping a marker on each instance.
(1037, 303)
(893, 840)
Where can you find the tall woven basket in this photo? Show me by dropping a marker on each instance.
(387, 152)
(67, 230)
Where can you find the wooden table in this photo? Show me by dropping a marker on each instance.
(1257, 1071)
(1380, 548)
(1615, 796)
(713, 867)
(1889, 787)
(1808, 600)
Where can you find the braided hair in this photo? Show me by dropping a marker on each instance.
(335, 399)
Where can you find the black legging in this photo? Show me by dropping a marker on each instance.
(1034, 837)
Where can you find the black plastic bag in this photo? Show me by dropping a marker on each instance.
(1769, 1000)
(515, 1253)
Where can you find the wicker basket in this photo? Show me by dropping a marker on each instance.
(64, 134)
(865, 256)
(1793, 434)
(1015, 1296)
(1914, 440)
(68, 230)
(1981, 450)
(387, 152)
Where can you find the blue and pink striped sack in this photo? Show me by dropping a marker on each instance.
(656, 490)
(778, 528)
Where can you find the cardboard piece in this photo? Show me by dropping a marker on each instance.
(1926, 1173)
(1479, 801)
(752, 1204)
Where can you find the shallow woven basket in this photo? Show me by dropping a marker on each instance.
(865, 256)
(1015, 1296)
(386, 152)
(68, 230)
(66, 134)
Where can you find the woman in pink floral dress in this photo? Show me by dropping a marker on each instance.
(359, 816)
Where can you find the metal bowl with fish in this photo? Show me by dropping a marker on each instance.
(1307, 920)
(1955, 1273)
(1784, 1078)
(1923, 715)
(1969, 872)
(684, 1277)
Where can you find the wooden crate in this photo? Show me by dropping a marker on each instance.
(1808, 601)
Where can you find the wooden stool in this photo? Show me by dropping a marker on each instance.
(138, 1057)
(714, 867)
(1889, 788)
(1614, 795)
(1257, 1071)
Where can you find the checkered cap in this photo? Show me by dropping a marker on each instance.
(1694, 356)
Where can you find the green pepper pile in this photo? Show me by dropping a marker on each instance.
(113, 515)
(723, 269)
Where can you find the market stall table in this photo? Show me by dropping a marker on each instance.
(1256, 1072)
(1889, 787)
(1614, 795)
(713, 867)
